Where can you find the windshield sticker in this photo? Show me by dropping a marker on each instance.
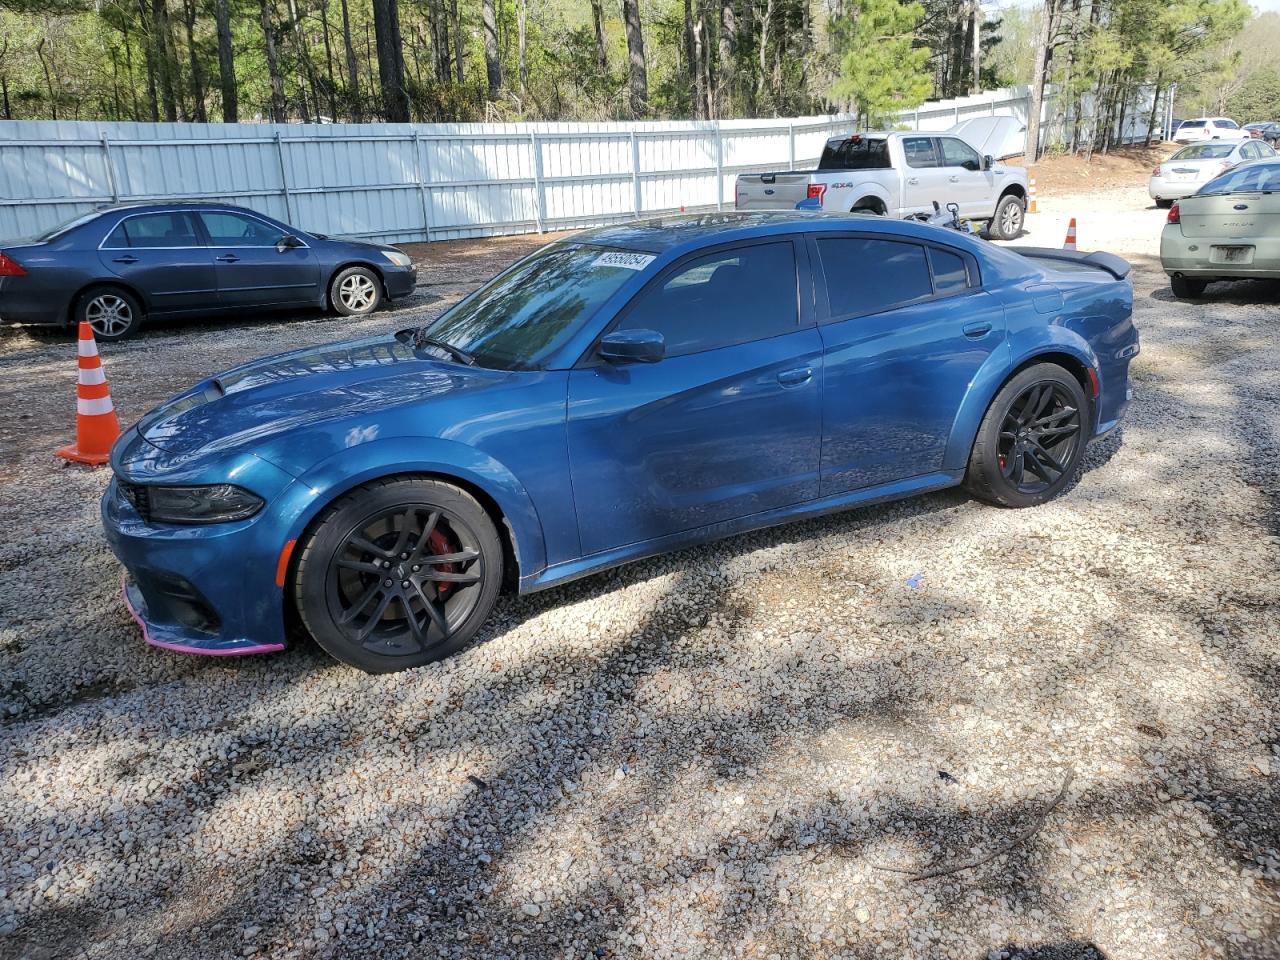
(627, 261)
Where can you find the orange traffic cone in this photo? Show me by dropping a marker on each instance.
(97, 425)
(1071, 235)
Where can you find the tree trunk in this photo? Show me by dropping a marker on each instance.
(522, 39)
(353, 67)
(4, 92)
(303, 49)
(699, 74)
(226, 63)
(1155, 104)
(763, 72)
(639, 78)
(1039, 68)
(164, 60)
(691, 54)
(459, 59)
(386, 28)
(197, 73)
(48, 79)
(728, 50)
(439, 40)
(328, 59)
(492, 62)
(602, 52)
(278, 110)
(976, 86)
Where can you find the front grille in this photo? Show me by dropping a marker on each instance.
(137, 495)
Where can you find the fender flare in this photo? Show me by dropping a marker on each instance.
(870, 188)
(995, 373)
(342, 472)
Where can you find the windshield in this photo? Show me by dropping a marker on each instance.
(522, 316)
(1204, 151)
(1255, 178)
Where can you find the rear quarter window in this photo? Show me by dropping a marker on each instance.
(865, 275)
(855, 153)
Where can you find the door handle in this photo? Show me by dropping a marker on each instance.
(127, 258)
(793, 378)
(228, 258)
(913, 181)
(954, 179)
(977, 330)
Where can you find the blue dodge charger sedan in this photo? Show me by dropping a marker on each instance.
(120, 265)
(624, 392)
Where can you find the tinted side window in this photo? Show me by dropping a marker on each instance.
(919, 151)
(233, 230)
(154, 230)
(856, 153)
(957, 153)
(728, 297)
(867, 276)
(949, 273)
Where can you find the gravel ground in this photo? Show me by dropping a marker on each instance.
(751, 749)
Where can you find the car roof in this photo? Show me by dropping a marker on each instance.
(683, 233)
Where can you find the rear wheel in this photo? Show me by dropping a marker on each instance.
(355, 291)
(1032, 439)
(113, 312)
(1186, 288)
(1007, 222)
(1163, 204)
(398, 573)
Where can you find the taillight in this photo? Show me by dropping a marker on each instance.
(10, 267)
(815, 192)
(1174, 215)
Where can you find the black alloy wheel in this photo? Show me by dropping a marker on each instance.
(1032, 438)
(398, 574)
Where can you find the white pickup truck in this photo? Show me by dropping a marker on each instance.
(897, 175)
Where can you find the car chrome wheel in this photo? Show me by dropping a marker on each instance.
(109, 315)
(1039, 437)
(1011, 219)
(404, 580)
(357, 293)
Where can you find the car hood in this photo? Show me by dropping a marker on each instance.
(265, 399)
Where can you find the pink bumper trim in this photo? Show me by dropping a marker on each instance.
(180, 648)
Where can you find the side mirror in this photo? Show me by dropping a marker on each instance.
(289, 242)
(633, 346)
(988, 162)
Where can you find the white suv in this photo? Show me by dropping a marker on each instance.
(1209, 128)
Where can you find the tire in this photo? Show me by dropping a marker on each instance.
(1008, 219)
(1014, 461)
(869, 205)
(113, 312)
(355, 291)
(1186, 288)
(1163, 204)
(362, 587)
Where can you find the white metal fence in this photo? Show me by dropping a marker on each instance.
(403, 182)
(396, 182)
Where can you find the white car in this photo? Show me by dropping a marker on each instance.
(1209, 128)
(1195, 165)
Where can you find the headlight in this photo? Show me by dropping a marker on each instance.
(218, 503)
(399, 258)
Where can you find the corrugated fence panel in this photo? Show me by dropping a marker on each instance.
(430, 181)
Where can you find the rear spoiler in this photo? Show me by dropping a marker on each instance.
(1118, 267)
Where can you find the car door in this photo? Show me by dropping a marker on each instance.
(254, 267)
(923, 179)
(162, 256)
(905, 328)
(971, 187)
(726, 424)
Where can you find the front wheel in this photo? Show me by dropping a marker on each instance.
(1007, 222)
(1185, 288)
(398, 573)
(355, 291)
(1032, 439)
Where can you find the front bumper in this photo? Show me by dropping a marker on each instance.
(212, 589)
(399, 281)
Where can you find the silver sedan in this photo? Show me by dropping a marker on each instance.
(1193, 166)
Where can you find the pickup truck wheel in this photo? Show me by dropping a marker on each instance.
(1007, 223)
(873, 207)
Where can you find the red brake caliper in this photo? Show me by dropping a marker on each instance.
(440, 545)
